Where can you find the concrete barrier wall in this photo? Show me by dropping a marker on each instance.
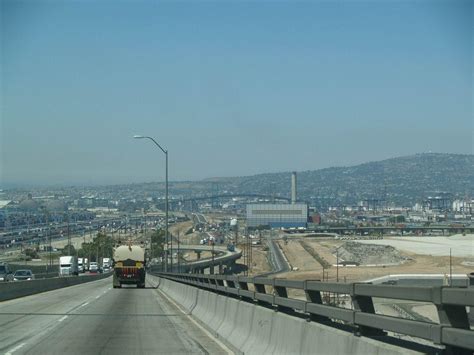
(252, 329)
(10, 290)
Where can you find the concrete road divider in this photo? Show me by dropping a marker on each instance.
(252, 329)
(11, 290)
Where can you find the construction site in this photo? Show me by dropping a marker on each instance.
(348, 261)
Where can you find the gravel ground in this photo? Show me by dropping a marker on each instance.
(299, 257)
(367, 254)
(418, 264)
(461, 246)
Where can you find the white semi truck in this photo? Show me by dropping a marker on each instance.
(106, 262)
(68, 266)
(80, 265)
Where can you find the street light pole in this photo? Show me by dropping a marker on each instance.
(166, 202)
(166, 213)
(212, 266)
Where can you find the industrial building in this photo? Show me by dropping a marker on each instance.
(277, 215)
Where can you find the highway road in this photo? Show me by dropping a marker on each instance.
(277, 260)
(200, 218)
(94, 318)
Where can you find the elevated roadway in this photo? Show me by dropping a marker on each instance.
(385, 229)
(223, 257)
(94, 318)
(277, 259)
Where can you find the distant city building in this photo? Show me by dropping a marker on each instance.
(440, 202)
(277, 215)
(463, 206)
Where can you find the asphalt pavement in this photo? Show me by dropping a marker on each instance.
(277, 260)
(94, 318)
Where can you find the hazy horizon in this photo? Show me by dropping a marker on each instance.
(7, 185)
(233, 89)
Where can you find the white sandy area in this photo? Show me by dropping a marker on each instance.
(461, 246)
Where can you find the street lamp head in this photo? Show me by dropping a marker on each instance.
(137, 136)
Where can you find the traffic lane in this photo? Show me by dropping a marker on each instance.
(124, 321)
(62, 299)
(25, 319)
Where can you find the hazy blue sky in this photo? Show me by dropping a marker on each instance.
(229, 88)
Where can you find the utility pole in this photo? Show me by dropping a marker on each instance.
(68, 235)
(450, 269)
(212, 266)
(179, 262)
(167, 211)
(50, 248)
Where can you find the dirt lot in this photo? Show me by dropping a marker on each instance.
(181, 228)
(312, 270)
(259, 261)
(298, 257)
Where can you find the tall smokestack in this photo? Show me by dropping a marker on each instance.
(293, 187)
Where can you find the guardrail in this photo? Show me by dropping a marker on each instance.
(453, 330)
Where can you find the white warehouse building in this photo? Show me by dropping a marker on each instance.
(277, 215)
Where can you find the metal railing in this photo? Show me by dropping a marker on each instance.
(453, 329)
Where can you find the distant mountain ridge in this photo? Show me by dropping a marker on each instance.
(402, 180)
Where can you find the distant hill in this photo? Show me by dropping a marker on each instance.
(402, 180)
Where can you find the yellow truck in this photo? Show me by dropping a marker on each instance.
(129, 266)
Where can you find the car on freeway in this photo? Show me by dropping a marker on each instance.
(23, 275)
(5, 273)
(93, 267)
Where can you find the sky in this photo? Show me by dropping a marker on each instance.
(229, 88)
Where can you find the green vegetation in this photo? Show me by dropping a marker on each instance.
(101, 246)
(397, 219)
(68, 250)
(31, 254)
(157, 243)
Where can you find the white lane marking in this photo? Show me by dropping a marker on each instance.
(11, 351)
(82, 305)
(96, 297)
(61, 319)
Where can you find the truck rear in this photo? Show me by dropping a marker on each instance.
(129, 266)
(80, 265)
